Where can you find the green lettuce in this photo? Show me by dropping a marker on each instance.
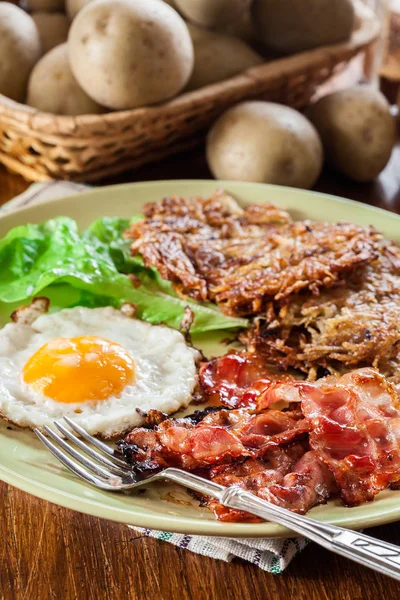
(90, 269)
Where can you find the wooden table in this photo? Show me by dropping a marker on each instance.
(48, 552)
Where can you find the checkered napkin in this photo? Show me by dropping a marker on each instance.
(272, 555)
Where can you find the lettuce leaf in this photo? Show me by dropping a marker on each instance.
(89, 269)
(60, 296)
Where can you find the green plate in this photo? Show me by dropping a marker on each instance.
(26, 464)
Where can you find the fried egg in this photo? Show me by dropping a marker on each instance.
(97, 366)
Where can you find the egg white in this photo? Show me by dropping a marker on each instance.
(165, 369)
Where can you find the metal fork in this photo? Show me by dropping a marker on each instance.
(99, 466)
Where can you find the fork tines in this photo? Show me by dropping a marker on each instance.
(106, 470)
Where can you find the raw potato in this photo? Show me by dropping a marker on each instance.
(74, 6)
(52, 87)
(218, 57)
(290, 26)
(53, 29)
(266, 143)
(215, 14)
(130, 53)
(45, 5)
(19, 50)
(357, 131)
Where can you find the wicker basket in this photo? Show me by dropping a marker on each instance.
(41, 146)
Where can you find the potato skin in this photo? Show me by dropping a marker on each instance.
(357, 131)
(130, 53)
(53, 88)
(212, 13)
(266, 143)
(291, 26)
(218, 57)
(53, 29)
(19, 50)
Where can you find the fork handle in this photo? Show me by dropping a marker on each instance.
(368, 551)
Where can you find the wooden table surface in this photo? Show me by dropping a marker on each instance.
(48, 552)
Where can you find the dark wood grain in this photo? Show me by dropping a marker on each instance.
(48, 552)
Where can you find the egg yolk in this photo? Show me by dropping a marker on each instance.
(79, 369)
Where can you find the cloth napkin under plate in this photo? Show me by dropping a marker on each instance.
(272, 555)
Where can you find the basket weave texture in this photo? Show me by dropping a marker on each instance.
(42, 146)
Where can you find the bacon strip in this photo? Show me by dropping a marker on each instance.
(290, 477)
(239, 380)
(345, 439)
(355, 432)
(220, 437)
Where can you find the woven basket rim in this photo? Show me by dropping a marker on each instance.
(279, 68)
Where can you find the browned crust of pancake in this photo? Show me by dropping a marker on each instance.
(352, 326)
(243, 259)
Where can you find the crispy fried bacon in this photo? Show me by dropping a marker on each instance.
(344, 437)
(242, 380)
(290, 477)
(211, 249)
(237, 380)
(355, 432)
(216, 437)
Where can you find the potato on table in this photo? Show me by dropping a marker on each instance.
(266, 143)
(357, 130)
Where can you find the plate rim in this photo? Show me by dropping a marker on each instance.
(179, 524)
(220, 183)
